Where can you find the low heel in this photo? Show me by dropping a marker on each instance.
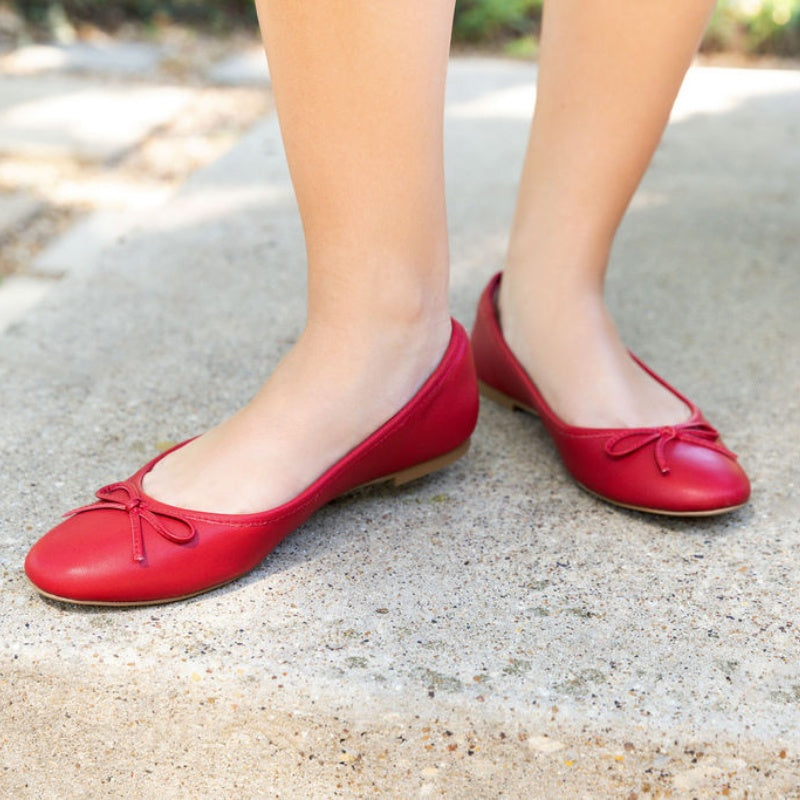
(498, 397)
(418, 470)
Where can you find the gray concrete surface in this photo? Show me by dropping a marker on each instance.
(248, 68)
(133, 59)
(15, 209)
(85, 243)
(79, 116)
(19, 294)
(488, 632)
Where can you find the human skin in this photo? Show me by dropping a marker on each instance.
(608, 76)
(359, 90)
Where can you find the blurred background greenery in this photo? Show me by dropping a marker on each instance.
(751, 27)
(111, 14)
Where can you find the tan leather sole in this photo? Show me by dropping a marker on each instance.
(420, 470)
(713, 513)
(132, 604)
(503, 399)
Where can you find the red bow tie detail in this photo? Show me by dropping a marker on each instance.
(699, 433)
(123, 497)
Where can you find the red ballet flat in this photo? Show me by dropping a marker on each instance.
(129, 549)
(681, 469)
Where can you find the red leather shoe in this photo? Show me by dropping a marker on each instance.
(681, 469)
(129, 549)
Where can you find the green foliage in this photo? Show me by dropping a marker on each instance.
(755, 27)
(490, 20)
(748, 26)
(110, 14)
(526, 47)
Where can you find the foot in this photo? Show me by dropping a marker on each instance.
(328, 394)
(573, 353)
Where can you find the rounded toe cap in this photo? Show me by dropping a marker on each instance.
(78, 562)
(699, 482)
(708, 482)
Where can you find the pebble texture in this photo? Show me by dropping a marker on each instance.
(490, 631)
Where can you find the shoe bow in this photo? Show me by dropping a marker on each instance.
(699, 433)
(124, 497)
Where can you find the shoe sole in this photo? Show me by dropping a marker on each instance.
(661, 512)
(395, 479)
(509, 402)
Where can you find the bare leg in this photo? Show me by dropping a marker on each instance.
(608, 75)
(359, 88)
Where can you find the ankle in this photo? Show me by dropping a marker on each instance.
(570, 251)
(551, 312)
(390, 291)
(371, 335)
(382, 366)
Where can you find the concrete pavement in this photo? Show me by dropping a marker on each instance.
(99, 131)
(488, 632)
